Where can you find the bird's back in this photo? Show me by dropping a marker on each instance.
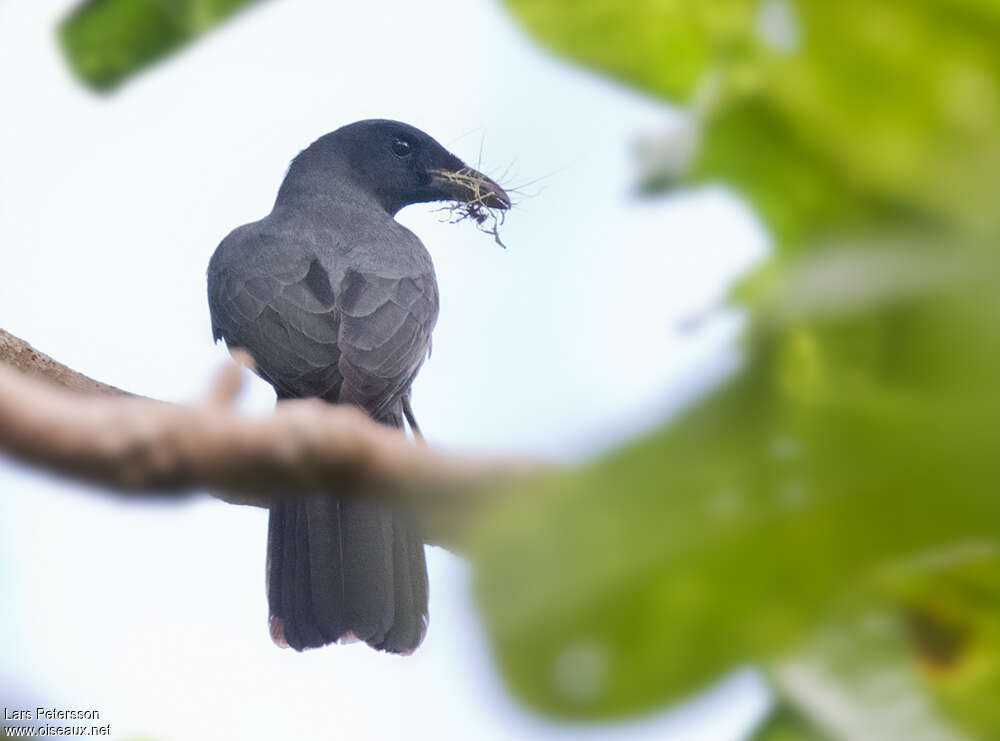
(306, 292)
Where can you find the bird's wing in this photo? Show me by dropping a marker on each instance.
(286, 319)
(385, 333)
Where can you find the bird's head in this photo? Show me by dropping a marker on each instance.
(400, 165)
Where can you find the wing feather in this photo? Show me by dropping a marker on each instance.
(360, 341)
(385, 332)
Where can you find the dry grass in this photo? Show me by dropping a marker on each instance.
(488, 219)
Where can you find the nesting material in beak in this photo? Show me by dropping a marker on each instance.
(474, 197)
(471, 186)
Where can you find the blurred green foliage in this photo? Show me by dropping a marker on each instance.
(860, 438)
(852, 441)
(822, 114)
(107, 41)
(787, 724)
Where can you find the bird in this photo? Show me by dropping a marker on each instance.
(336, 300)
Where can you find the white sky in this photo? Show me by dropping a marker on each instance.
(560, 345)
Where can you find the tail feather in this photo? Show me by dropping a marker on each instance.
(305, 613)
(325, 565)
(276, 572)
(344, 568)
(410, 591)
(366, 537)
(289, 597)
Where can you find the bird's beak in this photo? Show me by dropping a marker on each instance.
(469, 186)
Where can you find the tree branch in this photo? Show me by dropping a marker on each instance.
(18, 354)
(137, 445)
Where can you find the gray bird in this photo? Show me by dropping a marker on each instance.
(334, 299)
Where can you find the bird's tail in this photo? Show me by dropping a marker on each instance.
(344, 569)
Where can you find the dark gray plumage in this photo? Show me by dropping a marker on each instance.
(335, 299)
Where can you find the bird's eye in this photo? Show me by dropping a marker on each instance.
(400, 147)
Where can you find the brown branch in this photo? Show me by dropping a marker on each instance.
(18, 354)
(137, 445)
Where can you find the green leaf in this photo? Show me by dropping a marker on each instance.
(862, 432)
(948, 608)
(664, 46)
(107, 41)
(787, 724)
(860, 435)
(916, 647)
(868, 111)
